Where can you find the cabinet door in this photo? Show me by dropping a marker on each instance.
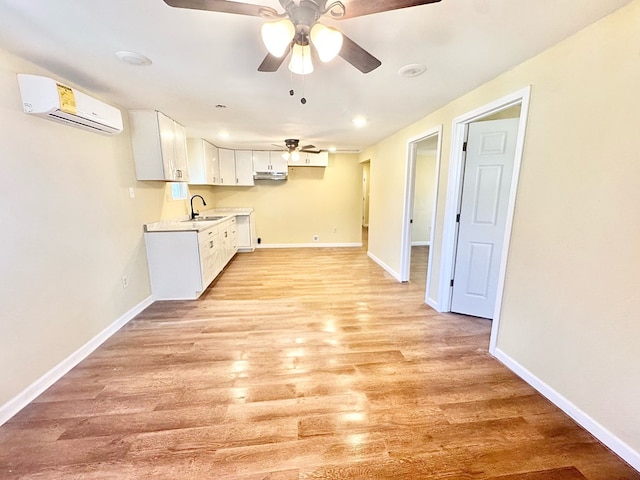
(317, 159)
(227, 167)
(181, 162)
(198, 171)
(212, 159)
(278, 163)
(244, 167)
(261, 161)
(167, 133)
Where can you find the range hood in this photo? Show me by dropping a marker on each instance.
(270, 176)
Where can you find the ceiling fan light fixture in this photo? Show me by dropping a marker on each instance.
(295, 156)
(327, 40)
(277, 36)
(301, 59)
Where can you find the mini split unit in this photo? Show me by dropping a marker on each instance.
(47, 98)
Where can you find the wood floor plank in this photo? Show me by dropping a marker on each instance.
(300, 364)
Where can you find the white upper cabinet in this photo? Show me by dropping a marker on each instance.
(227, 160)
(261, 161)
(244, 167)
(204, 167)
(311, 160)
(266, 161)
(159, 147)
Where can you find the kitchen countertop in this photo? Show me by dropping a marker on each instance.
(182, 224)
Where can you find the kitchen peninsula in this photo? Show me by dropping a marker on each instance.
(185, 255)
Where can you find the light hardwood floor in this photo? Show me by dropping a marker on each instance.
(300, 364)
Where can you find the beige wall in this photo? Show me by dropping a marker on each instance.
(313, 201)
(70, 233)
(570, 311)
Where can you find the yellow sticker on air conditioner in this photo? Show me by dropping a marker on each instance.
(67, 99)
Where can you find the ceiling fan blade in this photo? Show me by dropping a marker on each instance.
(306, 147)
(358, 56)
(358, 8)
(271, 63)
(222, 6)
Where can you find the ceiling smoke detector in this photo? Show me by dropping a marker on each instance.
(412, 70)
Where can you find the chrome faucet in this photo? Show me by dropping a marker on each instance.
(195, 214)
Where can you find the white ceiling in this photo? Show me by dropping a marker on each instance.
(201, 59)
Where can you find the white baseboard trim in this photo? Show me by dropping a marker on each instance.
(628, 454)
(25, 397)
(309, 245)
(386, 267)
(421, 244)
(433, 304)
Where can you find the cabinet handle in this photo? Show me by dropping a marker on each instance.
(225, 234)
(179, 173)
(221, 180)
(211, 244)
(237, 181)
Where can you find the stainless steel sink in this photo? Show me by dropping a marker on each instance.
(205, 219)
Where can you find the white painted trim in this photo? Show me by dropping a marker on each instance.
(30, 393)
(421, 244)
(409, 196)
(511, 206)
(454, 190)
(626, 452)
(310, 245)
(386, 267)
(432, 303)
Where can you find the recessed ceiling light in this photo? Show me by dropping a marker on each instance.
(224, 135)
(412, 70)
(332, 149)
(133, 58)
(359, 122)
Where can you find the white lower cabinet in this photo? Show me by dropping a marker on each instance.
(182, 264)
(246, 232)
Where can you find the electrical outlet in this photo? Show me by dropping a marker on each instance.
(316, 238)
(125, 281)
(132, 193)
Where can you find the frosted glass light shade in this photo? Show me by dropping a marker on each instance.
(327, 40)
(301, 60)
(277, 36)
(295, 156)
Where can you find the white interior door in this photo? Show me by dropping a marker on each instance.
(485, 193)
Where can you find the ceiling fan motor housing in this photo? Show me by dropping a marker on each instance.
(291, 143)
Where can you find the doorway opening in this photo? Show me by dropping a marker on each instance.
(421, 192)
(441, 301)
(366, 190)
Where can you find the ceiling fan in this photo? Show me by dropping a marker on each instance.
(298, 27)
(293, 150)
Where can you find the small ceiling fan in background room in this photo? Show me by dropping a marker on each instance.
(292, 149)
(298, 27)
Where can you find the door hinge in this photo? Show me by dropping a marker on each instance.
(458, 218)
(451, 283)
(464, 147)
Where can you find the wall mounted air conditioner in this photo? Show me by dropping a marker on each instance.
(47, 98)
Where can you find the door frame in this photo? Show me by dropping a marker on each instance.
(454, 193)
(409, 197)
